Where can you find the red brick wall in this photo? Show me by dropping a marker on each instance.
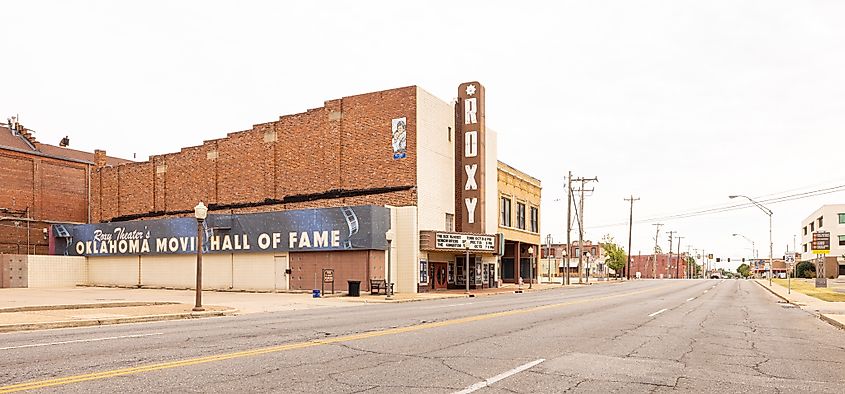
(52, 189)
(645, 265)
(344, 145)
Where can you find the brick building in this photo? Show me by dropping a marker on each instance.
(661, 267)
(409, 175)
(41, 184)
(519, 222)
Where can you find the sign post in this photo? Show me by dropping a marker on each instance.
(821, 246)
(790, 262)
(328, 277)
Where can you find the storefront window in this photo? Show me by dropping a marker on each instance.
(505, 212)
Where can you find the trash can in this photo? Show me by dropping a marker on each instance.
(315, 293)
(354, 288)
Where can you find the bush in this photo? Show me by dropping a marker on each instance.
(805, 269)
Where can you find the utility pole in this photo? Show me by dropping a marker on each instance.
(630, 229)
(654, 266)
(669, 262)
(678, 266)
(549, 255)
(580, 217)
(568, 223)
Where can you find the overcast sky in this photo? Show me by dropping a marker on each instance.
(680, 103)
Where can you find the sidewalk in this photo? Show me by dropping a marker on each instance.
(33, 309)
(831, 312)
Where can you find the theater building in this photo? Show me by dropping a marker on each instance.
(395, 185)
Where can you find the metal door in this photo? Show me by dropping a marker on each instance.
(282, 272)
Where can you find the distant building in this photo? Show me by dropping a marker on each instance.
(759, 270)
(554, 259)
(41, 184)
(649, 266)
(830, 218)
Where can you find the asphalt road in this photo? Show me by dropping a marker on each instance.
(643, 336)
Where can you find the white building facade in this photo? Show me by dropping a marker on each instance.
(829, 218)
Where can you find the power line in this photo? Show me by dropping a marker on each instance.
(775, 200)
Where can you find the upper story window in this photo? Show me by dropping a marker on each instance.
(505, 212)
(535, 220)
(520, 216)
(842, 218)
(812, 226)
(805, 248)
(842, 240)
(820, 221)
(805, 228)
(450, 222)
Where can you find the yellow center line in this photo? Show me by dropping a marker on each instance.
(39, 384)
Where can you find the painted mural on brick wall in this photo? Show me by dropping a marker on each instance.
(399, 127)
(324, 229)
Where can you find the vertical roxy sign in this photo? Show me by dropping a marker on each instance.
(470, 152)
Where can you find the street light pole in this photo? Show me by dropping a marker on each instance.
(466, 262)
(200, 212)
(531, 266)
(549, 255)
(767, 211)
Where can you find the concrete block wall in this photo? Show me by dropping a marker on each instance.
(42, 271)
(405, 248)
(254, 271)
(56, 271)
(114, 271)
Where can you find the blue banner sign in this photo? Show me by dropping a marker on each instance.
(324, 229)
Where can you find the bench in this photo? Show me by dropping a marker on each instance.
(377, 285)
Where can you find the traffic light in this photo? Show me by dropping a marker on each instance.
(743, 259)
(718, 259)
(710, 256)
(729, 259)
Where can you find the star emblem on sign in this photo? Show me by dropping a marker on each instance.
(470, 90)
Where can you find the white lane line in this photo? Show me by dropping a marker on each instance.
(658, 312)
(81, 341)
(690, 299)
(503, 375)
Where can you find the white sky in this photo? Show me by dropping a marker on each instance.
(680, 103)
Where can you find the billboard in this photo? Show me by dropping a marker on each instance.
(323, 229)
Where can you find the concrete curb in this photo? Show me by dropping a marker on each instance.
(820, 315)
(830, 321)
(455, 296)
(120, 320)
(34, 308)
(776, 294)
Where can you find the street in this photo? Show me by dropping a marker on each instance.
(640, 336)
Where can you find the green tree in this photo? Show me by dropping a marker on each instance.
(744, 270)
(615, 256)
(805, 269)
